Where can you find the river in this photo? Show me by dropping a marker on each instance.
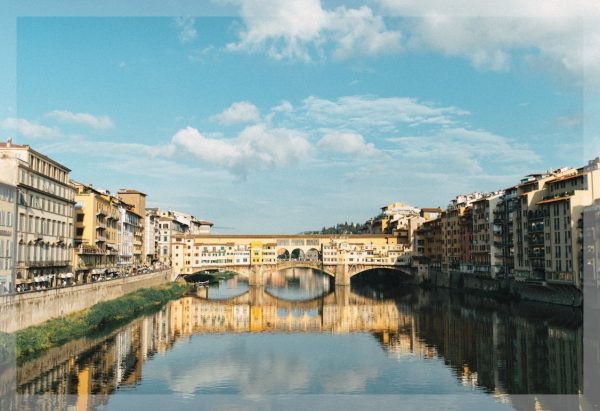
(298, 343)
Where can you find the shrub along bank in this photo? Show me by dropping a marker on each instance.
(32, 341)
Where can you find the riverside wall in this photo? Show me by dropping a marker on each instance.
(24, 310)
(505, 288)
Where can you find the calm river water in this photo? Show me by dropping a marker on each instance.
(297, 343)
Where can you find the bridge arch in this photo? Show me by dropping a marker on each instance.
(283, 253)
(298, 254)
(315, 265)
(402, 275)
(312, 254)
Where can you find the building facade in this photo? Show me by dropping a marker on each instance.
(44, 214)
(192, 253)
(8, 234)
(487, 236)
(151, 234)
(167, 224)
(137, 200)
(96, 232)
(128, 227)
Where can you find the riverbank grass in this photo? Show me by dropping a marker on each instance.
(32, 341)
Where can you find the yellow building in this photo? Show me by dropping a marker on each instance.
(96, 218)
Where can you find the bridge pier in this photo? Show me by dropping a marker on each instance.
(342, 276)
(256, 277)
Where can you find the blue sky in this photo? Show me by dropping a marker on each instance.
(311, 114)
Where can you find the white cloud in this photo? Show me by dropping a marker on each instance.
(300, 28)
(96, 122)
(383, 113)
(283, 107)
(347, 143)
(257, 147)
(29, 129)
(358, 31)
(458, 150)
(487, 32)
(240, 112)
(187, 31)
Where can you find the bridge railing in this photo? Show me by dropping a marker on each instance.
(291, 263)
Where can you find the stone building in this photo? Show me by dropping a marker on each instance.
(44, 213)
(8, 233)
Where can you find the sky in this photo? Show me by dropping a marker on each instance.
(285, 116)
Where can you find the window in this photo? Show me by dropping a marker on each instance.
(79, 218)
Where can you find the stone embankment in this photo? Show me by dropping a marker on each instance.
(506, 288)
(24, 310)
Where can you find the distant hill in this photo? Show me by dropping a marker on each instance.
(342, 228)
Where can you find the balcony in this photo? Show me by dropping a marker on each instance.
(536, 228)
(533, 241)
(559, 195)
(54, 263)
(536, 254)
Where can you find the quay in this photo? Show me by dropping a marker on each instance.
(23, 310)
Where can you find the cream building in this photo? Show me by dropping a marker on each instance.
(151, 227)
(8, 234)
(561, 229)
(167, 224)
(128, 227)
(45, 200)
(137, 200)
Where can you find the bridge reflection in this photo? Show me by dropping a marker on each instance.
(259, 310)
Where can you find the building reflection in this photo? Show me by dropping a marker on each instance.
(502, 351)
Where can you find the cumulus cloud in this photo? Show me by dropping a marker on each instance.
(359, 31)
(486, 33)
(302, 28)
(347, 143)
(187, 31)
(257, 147)
(240, 112)
(383, 113)
(96, 122)
(29, 129)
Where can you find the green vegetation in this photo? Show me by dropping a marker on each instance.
(343, 228)
(34, 340)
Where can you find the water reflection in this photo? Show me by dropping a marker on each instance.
(298, 284)
(259, 342)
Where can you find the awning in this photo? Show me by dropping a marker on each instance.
(69, 275)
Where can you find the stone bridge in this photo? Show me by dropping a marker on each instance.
(342, 273)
